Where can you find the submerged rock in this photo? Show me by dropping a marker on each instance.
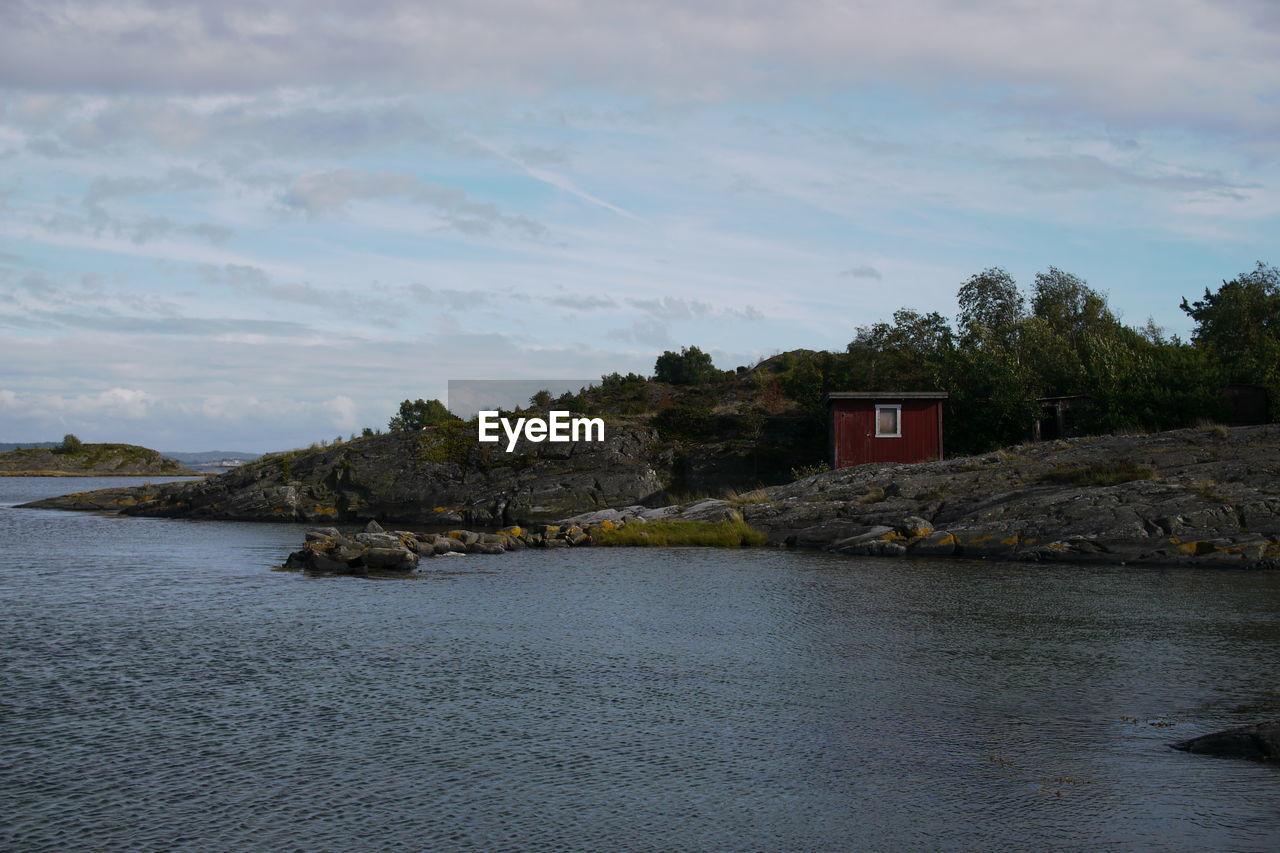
(1260, 742)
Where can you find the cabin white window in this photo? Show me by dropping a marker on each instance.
(889, 421)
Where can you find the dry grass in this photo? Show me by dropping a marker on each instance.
(1207, 489)
(1214, 430)
(1109, 473)
(874, 495)
(755, 496)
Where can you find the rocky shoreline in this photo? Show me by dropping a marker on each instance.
(1195, 497)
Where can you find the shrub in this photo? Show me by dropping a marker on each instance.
(450, 442)
(690, 366)
(70, 444)
(800, 472)
(684, 420)
(416, 414)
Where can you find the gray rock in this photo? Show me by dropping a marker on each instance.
(939, 543)
(711, 509)
(378, 540)
(861, 537)
(485, 548)
(373, 527)
(913, 526)
(1260, 742)
(391, 559)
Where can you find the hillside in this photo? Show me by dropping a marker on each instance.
(88, 460)
(443, 477)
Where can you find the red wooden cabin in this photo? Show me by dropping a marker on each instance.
(879, 426)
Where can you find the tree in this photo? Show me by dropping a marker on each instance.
(990, 304)
(1240, 325)
(70, 444)
(905, 355)
(1069, 305)
(416, 414)
(690, 366)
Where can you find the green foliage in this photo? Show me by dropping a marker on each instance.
(687, 420)
(286, 465)
(690, 366)
(450, 442)
(571, 402)
(70, 444)
(802, 471)
(617, 380)
(1069, 305)
(1108, 473)
(416, 414)
(541, 400)
(733, 532)
(366, 432)
(990, 305)
(1240, 326)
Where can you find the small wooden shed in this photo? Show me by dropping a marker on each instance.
(882, 426)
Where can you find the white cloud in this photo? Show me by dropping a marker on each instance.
(1199, 61)
(323, 192)
(128, 403)
(342, 412)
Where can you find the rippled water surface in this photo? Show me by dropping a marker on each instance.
(163, 689)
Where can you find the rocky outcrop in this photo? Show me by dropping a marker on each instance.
(1202, 497)
(90, 460)
(437, 478)
(378, 552)
(1260, 742)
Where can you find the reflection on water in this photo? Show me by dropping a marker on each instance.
(164, 690)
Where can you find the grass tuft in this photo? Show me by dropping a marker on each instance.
(755, 496)
(1207, 489)
(1108, 473)
(874, 495)
(733, 532)
(1214, 430)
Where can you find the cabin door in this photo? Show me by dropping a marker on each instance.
(855, 432)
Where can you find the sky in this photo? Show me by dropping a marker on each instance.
(250, 226)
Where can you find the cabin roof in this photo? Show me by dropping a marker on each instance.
(887, 395)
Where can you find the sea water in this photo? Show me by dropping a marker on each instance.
(164, 689)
